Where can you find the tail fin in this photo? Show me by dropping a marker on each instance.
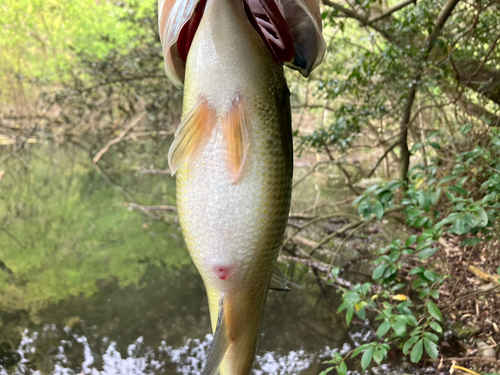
(220, 343)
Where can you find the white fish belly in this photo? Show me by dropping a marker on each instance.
(234, 230)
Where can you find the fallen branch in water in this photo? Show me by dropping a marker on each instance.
(106, 148)
(315, 220)
(311, 170)
(347, 227)
(154, 171)
(109, 181)
(142, 208)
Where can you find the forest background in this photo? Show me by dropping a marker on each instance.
(405, 108)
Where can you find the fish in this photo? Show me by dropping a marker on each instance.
(232, 153)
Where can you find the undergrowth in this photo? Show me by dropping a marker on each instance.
(404, 293)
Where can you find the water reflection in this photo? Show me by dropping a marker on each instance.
(87, 286)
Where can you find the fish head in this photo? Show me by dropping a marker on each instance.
(290, 29)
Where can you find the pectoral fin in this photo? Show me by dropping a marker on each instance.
(278, 281)
(220, 343)
(236, 137)
(192, 134)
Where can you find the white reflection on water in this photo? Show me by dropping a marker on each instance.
(188, 359)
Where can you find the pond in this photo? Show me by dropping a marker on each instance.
(90, 286)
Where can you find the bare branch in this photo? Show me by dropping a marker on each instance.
(362, 19)
(394, 9)
(347, 227)
(383, 157)
(140, 207)
(154, 171)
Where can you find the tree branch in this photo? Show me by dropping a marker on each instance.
(405, 121)
(383, 157)
(394, 9)
(106, 148)
(362, 20)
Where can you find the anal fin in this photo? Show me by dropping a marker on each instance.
(278, 281)
(220, 343)
(192, 134)
(236, 137)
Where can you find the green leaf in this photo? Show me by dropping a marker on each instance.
(410, 240)
(436, 327)
(409, 343)
(378, 354)
(335, 272)
(434, 294)
(430, 275)
(399, 328)
(383, 328)
(427, 253)
(417, 270)
(361, 313)
(483, 216)
(424, 200)
(435, 196)
(471, 242)
(359, 349)
(431, 336)
(342, 369)
(447, 178)
(458, 226)
(420, 221)
(349, 314)
(416, 352)
(431, 348)
(498, 270)
(378, 210)
(458, 189)
(366, 358)
(434, 311)
(379, 271)
(325, 372)
(435, 145)
(343, 306)
(386, 196)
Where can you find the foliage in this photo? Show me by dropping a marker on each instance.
(470, 207)
(41, 39)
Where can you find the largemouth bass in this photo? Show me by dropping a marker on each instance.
(232, 153)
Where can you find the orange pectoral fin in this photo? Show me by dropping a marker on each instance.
(192, 134)
(236, 137)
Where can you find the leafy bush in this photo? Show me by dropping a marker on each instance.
(466, 202)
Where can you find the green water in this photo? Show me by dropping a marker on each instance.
(89, 286)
